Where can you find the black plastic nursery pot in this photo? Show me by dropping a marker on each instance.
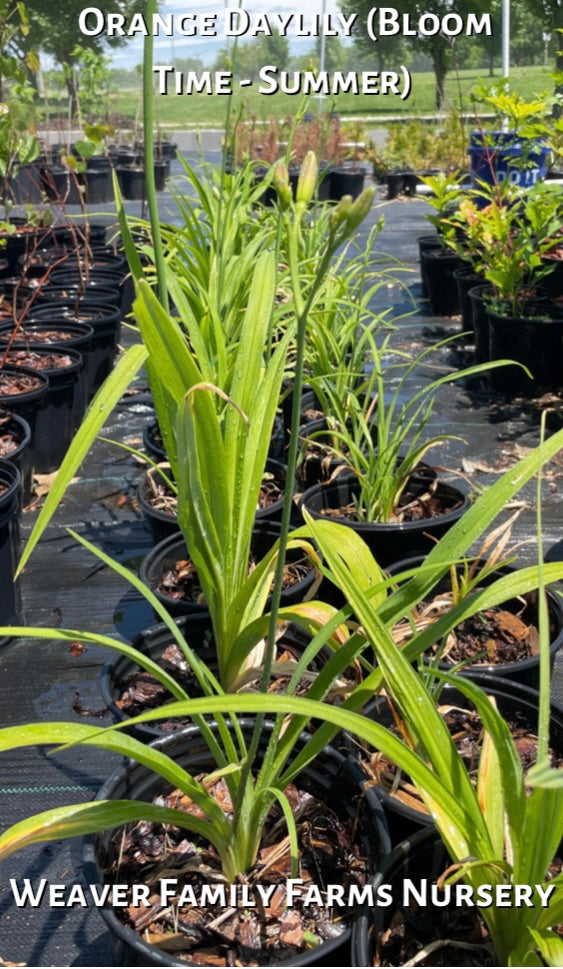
(10, 489)
(152, 441)
(132, 183)
(63, 186)
(514, 700)
(154, 642)
(165, 556)
(74, 233)
(385, 539)
(535, 342)
(439, 266)
(419, 860)
(324, 184)
(72, 294)
(553, 282)
(101, 260)
(24, 240)
(161, 169)
(15, 436)
(55, 421)
(37, 264)
(107, 280)
(18, 292)
(480, 317)
(424, 244)
(331, 778)
(395, 184)
(106, 324)
(466, 279)
(74, 336)
(525, 670)
(318, 462)
(346, 181)
(25, 401)
(26, 187)
(164, 523)
(99, 186)
(412, 180)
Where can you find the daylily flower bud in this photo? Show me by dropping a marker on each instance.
(342, 211)
(281, 184)
(360, 208)
(307, 181)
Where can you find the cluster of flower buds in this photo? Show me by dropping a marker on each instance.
(350, 214)
(345, 217)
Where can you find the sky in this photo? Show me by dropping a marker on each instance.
(206, 48)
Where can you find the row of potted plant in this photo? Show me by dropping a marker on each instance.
(340, 147)
(495, 258)
(316, 530)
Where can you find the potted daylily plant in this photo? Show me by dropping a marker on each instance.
(215, 380)
(380, 485)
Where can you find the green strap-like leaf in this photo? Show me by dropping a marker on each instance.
(457, 541)
(111, 738)
(94, 816)
(96, 416)
(464, 832)
(550, 944)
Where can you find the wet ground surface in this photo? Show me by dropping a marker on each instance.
(65, 586)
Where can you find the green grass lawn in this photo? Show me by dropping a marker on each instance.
(197, 110)
(201, 109)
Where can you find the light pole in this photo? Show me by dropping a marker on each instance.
(505, 49)
(323, 44)
(505, 38)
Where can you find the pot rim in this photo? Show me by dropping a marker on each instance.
(383, 527)
(502, 670)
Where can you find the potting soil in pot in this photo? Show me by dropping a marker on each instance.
(256, 933)
(341, 838)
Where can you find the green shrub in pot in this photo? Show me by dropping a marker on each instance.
(18, 111)
(506, 239)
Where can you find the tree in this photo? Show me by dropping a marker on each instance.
(53, 28)
(275, 50)
(439, 46)
(18, 143)
(387, 52)
(335, 54)
(251, 55)
(550, 15)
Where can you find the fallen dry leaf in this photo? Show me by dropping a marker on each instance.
(44, 483)
(479, 467)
